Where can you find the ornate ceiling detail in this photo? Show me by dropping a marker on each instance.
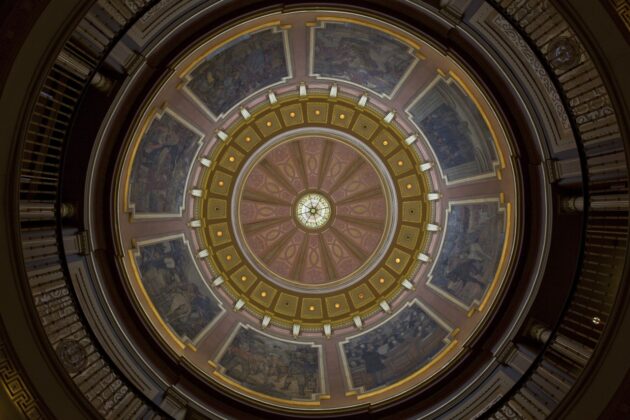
(16, 384)
(322, 212)
(344, 210)
(376, 203)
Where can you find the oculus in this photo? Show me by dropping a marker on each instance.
(313, 211)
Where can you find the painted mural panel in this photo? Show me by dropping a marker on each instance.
(361, 55)
(239, 69)
(471, 250)
(394, 350)
(175, 287)
(456, 131)
(161, 166)
(273, 367)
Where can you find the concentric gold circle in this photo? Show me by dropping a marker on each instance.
(347, 260)
(341, 249)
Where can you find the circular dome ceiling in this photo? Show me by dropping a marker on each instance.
(316, 210)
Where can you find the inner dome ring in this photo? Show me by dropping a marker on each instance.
(388, 190)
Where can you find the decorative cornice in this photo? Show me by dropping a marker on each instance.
(620, 13)
(16, 384)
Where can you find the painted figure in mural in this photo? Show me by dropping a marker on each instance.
(271, 366)
(374, 361)
(450, 136)
(394, 350)
(471, 250)
(239, 69)
(160, 169)
(175, 287)
(361, 55)
(456, 131)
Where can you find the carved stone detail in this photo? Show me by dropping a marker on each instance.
(591, 105)
(526, 12)
(14, 384)
(622, 9)
(529, 56)
(540, 333)
(454, 9)
(564, 52)
(72, 354)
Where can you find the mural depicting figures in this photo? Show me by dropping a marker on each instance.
(175, 287)
(273, 367)
(239, 69)
(394, 350)
(361, 55)
(473, 242)
(456, 131)
(161, 165)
